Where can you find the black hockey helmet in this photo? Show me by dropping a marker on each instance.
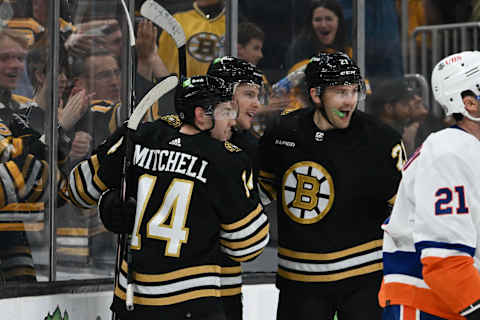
(200, 91)
(234, 70)
(332, 69)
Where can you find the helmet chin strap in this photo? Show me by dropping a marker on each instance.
(466, 114)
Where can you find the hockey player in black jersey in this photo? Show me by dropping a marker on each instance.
(247, 81)
(334, 172)
(193, 198)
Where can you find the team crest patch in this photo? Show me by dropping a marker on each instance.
(204, 46)
(307, 192)
(231, 147)
(172, 120)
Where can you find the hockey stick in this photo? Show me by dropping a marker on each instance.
(123, 241)
(162, 18)
(157, 92)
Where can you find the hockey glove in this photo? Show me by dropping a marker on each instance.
(116, 216)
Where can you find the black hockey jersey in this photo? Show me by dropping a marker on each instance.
(333, 190)
(193, 199)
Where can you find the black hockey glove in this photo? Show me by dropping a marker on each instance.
(117, 217)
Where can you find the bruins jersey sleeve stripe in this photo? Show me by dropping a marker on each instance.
(10, 148)
(254, 214)
(85, 187)
(245, 239)
(40, 182)
(9, 184)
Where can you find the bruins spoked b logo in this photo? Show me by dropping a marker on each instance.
(204, 46)
(307, 192)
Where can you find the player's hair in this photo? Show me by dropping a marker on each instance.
(340, 38)
(248, 31)
(15, 35)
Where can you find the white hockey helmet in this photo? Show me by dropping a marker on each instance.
(453, 75)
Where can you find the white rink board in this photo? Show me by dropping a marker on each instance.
(260, 303)
(79, 306)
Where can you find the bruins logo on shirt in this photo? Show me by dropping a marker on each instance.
(307, 192)
(204, 46)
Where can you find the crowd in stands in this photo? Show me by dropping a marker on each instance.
(280, 41)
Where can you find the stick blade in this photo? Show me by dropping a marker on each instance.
(160, 89)
(162, 18)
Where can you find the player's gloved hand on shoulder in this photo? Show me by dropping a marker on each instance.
(116, 216)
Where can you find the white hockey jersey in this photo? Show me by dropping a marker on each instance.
(430, 240)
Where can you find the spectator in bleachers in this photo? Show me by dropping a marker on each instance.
(402, 108)
(250, 42)
(99, 74)
(23, 170)
(69, 111)
(323, 31)
(204, 28)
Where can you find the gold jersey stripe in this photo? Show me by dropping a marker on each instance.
(265, 174)
(245, 220)
(392, 200)
(72, 232)
(230, 291)
(96, 178)
(230, 270)
(170, 300)
(331, 255)
(15, 251)
(17, 147)
(20, 226)
(18, 272)
(17, 176)
(330, 277)
(81, 191)
(23, 207)
(249, 257)
(246, 243)
(84, 252)
(174, 274)
(269, 189)
(101, 108)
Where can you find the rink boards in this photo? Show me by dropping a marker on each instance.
(260, 301)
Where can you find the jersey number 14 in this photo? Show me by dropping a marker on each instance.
(176, 202)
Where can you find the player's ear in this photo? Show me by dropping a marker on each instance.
(199, 113)
(315, 97)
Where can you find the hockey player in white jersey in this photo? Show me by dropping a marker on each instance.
(430, 244)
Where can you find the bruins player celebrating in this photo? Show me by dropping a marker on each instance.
(247, 81)
(193, 196)
(335, 172)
